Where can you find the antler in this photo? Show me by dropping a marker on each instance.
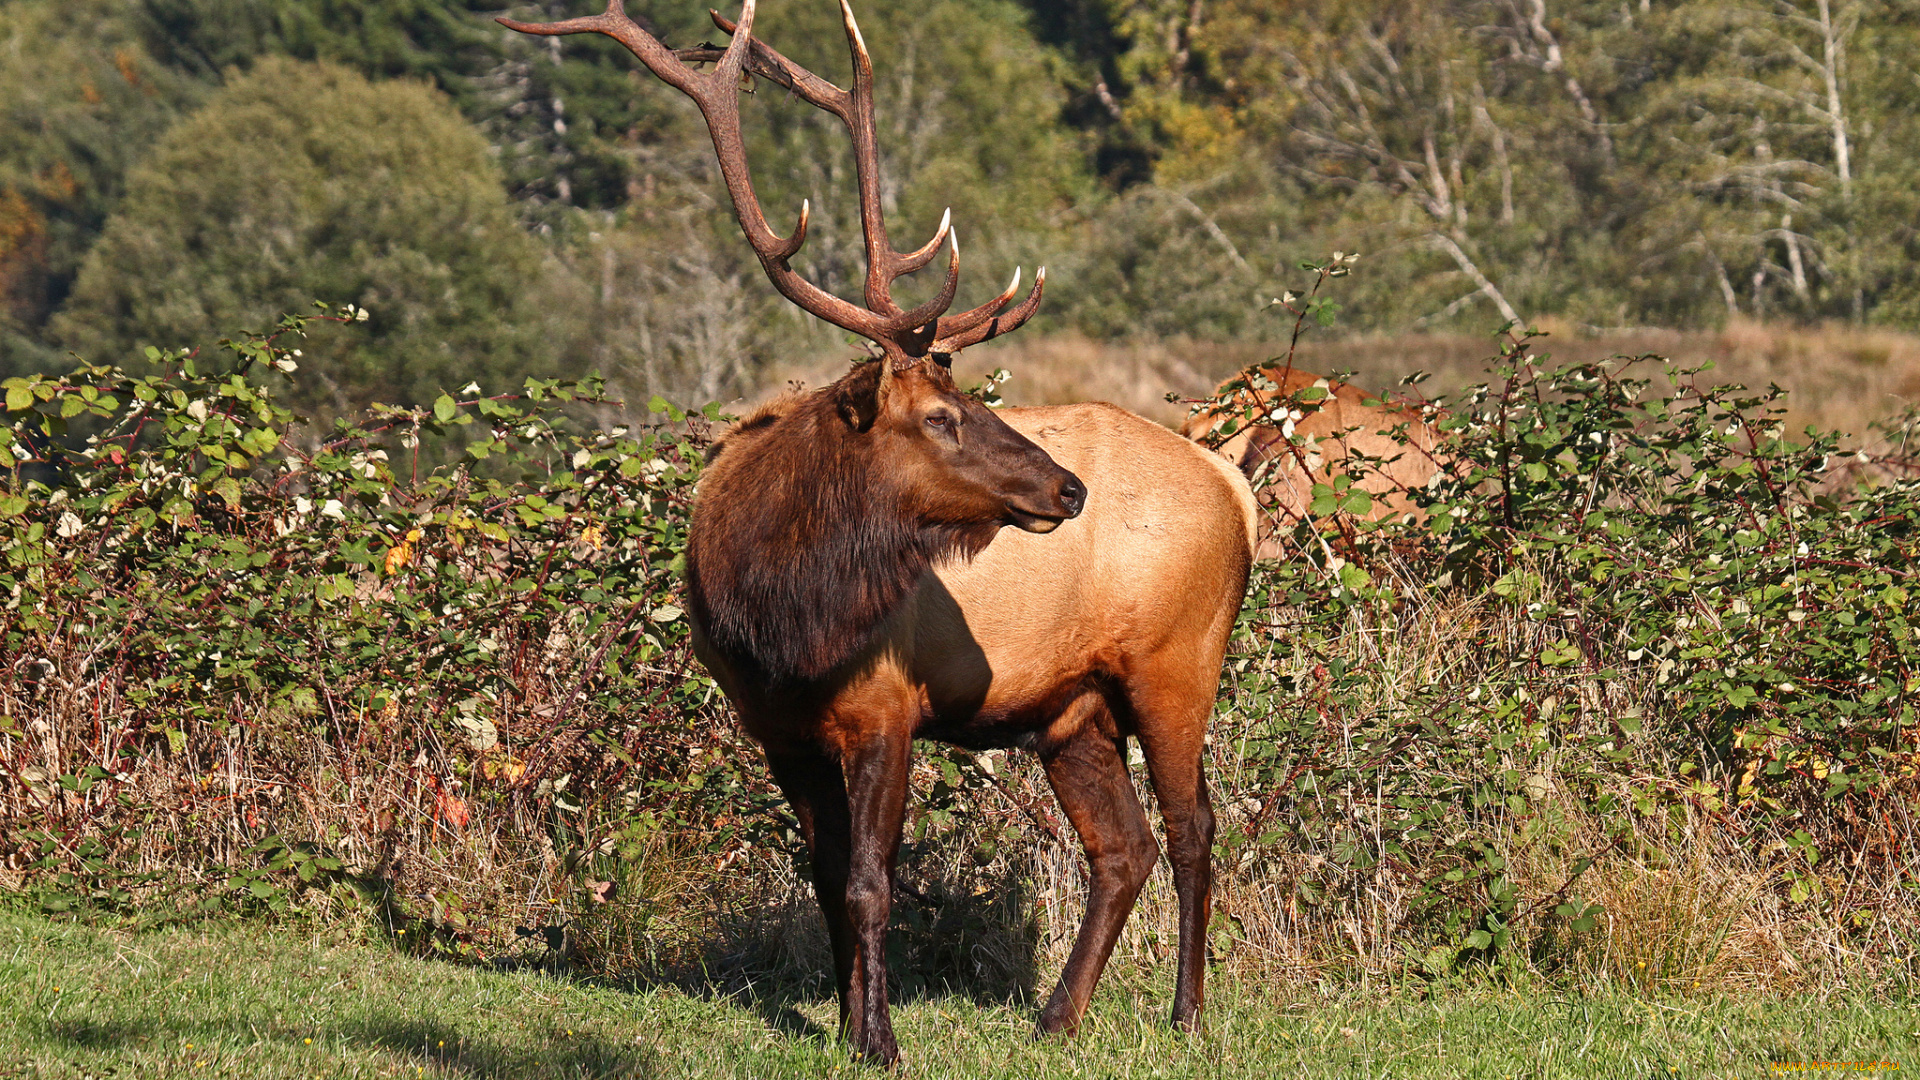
(903, 335)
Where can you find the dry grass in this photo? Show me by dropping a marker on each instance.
(1838, 377)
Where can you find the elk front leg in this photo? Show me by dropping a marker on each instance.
(811, 781)
(1089, 777)
(876, 785)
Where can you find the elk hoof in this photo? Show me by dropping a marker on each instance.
(1055, 1023)
(882, 1051)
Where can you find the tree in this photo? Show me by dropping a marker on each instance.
(1388, 105)
(442, 41)
(514, 88)
(303, 181)
(80, 101)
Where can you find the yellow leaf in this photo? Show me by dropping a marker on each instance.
(503, 768)
(399, 555)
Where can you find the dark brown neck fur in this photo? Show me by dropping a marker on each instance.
(800, 541)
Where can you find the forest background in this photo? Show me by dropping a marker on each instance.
(172, 171)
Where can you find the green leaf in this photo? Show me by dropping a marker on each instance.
(444, 408)
(19, 398)
(1325, 501)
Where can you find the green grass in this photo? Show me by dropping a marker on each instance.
(232, 1000)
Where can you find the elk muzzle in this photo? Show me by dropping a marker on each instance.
(1064, 496)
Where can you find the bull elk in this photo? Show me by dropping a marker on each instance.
(1299, 439)
(854, 587)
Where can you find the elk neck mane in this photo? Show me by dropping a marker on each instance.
(802, 542)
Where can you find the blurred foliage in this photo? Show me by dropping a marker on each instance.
(436, 40)
(81, 102)
(304, 180)
(1612, 165)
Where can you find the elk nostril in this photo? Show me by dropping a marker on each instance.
(1073, 495)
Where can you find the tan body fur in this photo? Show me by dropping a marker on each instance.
(988, 651)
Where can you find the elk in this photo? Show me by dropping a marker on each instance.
(1299, 442)
(854, 586)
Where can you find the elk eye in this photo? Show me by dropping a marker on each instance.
(940, 422)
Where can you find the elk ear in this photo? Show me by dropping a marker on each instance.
(859, 401)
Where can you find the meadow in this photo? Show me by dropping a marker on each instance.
(237, 1001)
(345, 683)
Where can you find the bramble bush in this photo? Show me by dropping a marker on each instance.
(253, 659)
(428, 672)
(1621, 617)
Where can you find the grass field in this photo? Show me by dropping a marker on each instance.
(232, 1000)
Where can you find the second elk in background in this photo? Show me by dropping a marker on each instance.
(1293, 429)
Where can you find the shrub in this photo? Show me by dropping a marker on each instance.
(286, 658)
(1633, 699)
(1625, 616)
(300, 180)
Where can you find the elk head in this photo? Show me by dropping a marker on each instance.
(952, 460)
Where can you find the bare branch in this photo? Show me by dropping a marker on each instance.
(1447, 244)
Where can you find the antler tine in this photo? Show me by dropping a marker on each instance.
(921, 256)
(967, 320)
(951, 337)
(882, 260)
(792, 244)
(929, 313)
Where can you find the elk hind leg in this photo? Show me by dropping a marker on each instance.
(1171, 717)
(1089, 777)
